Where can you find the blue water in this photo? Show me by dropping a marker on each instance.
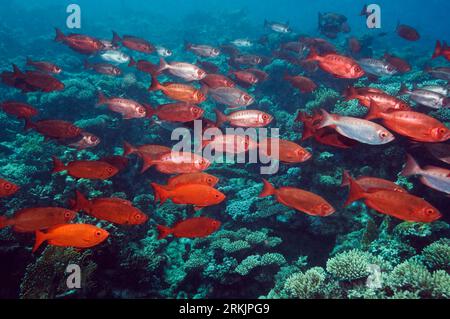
(270, 239)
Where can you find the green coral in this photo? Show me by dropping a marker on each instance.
(437, 255)
(349, 265)
(308, 285)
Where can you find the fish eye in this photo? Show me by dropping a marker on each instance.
(209, 180)
(265, 117)
(384, 134)
(67, 215)
(137, 216)
(98, 233)
(94, 139)
(429, 211)
(195, 110)
(8, 186)
(141, 110)
(217, 196)
(442, 130)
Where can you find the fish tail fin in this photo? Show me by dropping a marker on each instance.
(128, 149)
(40, 239)
(350, 93)
(149, 110)
(437, 50)
(308, 129)
(345, 178)
(220, 118)
(161, 193)
(58, 166)
(187, 45)
(364, 11)
(403, 89)
(147, 162)
(101, 99)
(80, 203)
(4, 222)
(356, 192)
(411, 167)
(59, 35)
(28, 124)
(16, 70)
(155, 86)
(268, 189)
(327, 119)
(163, 65)
(132, 62)
(163, 232)
(86, 64)
(312, 56)
(374, 111)
(116, 39)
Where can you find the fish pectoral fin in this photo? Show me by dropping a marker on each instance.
(198, 208)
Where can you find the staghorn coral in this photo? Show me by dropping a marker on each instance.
(350, 265)
(308, 285)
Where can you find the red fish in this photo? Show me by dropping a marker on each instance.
(35, 81)
(114, 210)
(417, 126)
(230, 143)
(144, 66)
(176, 112)
(134, 43)
(302, 83)
(200, 196)
(199, 227)
(260, 75)
(33, 219)
(400, 65)
(95, 170)
(180, 92)
(245, 77)
(19, 109)
(80, 43)
(214, 81)
(385, 102)
(55, 129)
(400, 205)
(193, 178)
(80, 236)
(288, 152)
(176, 163)
(326, 136)
(209, 67)
(7, 188)
(441, 50)
(117, 161)
(246, 118)
(338, 65)
(372, 184)
(129, 109)
(151, 150)
(354, 45)
(407, 32)
(298, 199)
(44, 66)
(103, 68)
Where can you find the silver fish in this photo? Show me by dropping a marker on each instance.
(186, 71)
(163, 52)
(242, 43)
(426, 97)
(115, 56)
(278, 27)
(232, 97)
(360, 130)
(434, 177)
(377, 67)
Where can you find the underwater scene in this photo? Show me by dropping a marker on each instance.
(247, 149)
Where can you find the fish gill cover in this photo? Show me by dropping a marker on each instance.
(224, 149)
